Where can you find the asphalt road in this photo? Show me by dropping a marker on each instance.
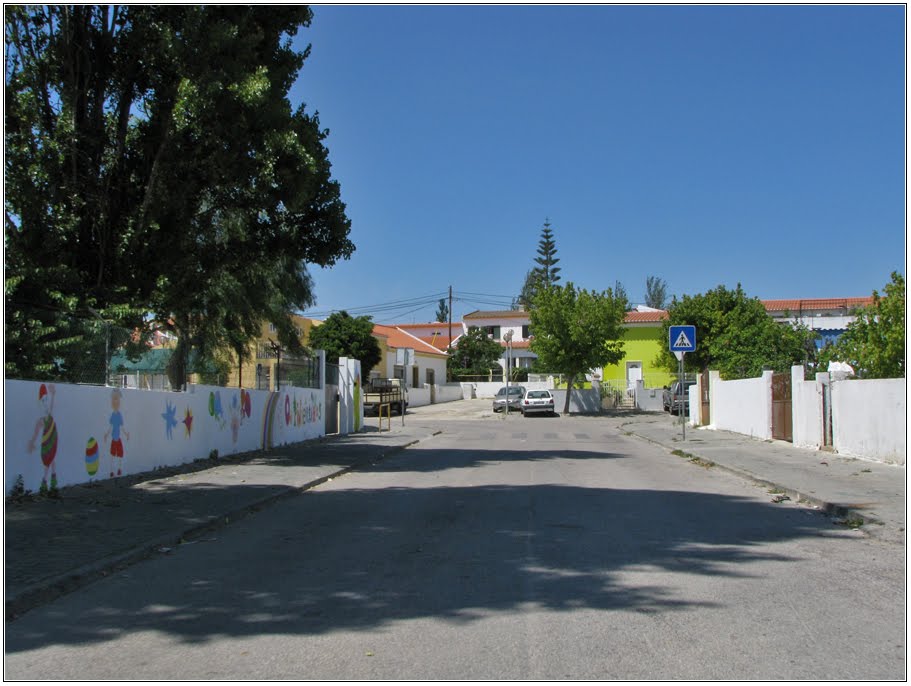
(538, 548)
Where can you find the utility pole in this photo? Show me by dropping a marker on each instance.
(450, 315)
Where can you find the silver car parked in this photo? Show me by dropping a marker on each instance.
(516, 393)
(537, 401)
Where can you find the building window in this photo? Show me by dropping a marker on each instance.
(526, 331)
(493, 332)
(429, 374)
(415, 377)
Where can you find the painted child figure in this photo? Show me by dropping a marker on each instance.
(116, 422)
(48, 429)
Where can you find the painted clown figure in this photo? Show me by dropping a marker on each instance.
(47, 427)
(116, 422)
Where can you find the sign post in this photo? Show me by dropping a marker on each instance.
(682, 340)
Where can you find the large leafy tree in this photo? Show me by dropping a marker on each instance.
(735, 335)
(474, 354)
(154, 164)
(874, 343)
(342, 335)
(577, 330)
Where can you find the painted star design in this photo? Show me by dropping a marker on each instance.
(170, 419)
(188, 422)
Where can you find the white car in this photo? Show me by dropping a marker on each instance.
(537, 401)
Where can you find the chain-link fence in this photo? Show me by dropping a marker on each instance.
(66, 349)
(95, 352)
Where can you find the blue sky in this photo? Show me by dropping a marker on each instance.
(706, 145)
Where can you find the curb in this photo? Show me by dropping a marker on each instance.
(55, 587)
(825, 506)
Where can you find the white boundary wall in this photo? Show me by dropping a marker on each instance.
(446, 393)
(869, 419)
(742, 405)
(418, 397)
(159, 428)
(350, 394)
(806, 410)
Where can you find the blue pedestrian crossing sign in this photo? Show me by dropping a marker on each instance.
(683, 338)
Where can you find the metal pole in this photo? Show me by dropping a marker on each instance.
(682, 417)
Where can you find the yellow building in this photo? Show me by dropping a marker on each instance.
(642, 343)
(260, 367)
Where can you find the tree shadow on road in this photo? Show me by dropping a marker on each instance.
(354, 558)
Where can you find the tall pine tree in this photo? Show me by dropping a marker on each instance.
(547, 271)
(545, 274)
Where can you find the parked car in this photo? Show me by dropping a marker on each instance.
(537, 401)
(675, 398)
(516, 393)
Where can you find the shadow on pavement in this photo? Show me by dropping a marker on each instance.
(355, 558)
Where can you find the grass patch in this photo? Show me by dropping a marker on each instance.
(693, 459)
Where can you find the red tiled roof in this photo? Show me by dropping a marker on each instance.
(496, 314)
(396, 338)
(440, 342)
(520, 345)
(806, 304)
(645, 317)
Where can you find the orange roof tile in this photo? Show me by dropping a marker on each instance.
(396, 338)
(645, 317)
(805, 304)
(496, 314)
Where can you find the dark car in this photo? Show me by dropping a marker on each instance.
(516, 393)
(675, 397)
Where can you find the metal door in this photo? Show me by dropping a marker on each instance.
(781, 407)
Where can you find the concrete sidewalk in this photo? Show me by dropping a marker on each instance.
(53, 546)
(852, 490)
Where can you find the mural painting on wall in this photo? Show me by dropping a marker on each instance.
(215, 410)
(92, 456)
(357, 402)
(116, 426)
(188, 422)
(47, 427)
(240, 407)
(170, 419)
(300, 412)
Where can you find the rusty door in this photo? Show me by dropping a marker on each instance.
(781, 407)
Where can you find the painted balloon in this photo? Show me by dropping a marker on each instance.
(91, 456)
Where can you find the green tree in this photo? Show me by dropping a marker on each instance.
(655, 292)
(442, 314)
(530, 287)
(735, 335)
(475, 354)
(547, 271)
(874, 343)
(577, 331)
(154, 164)
(620, 293)
(342, 335)
(545, 274)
